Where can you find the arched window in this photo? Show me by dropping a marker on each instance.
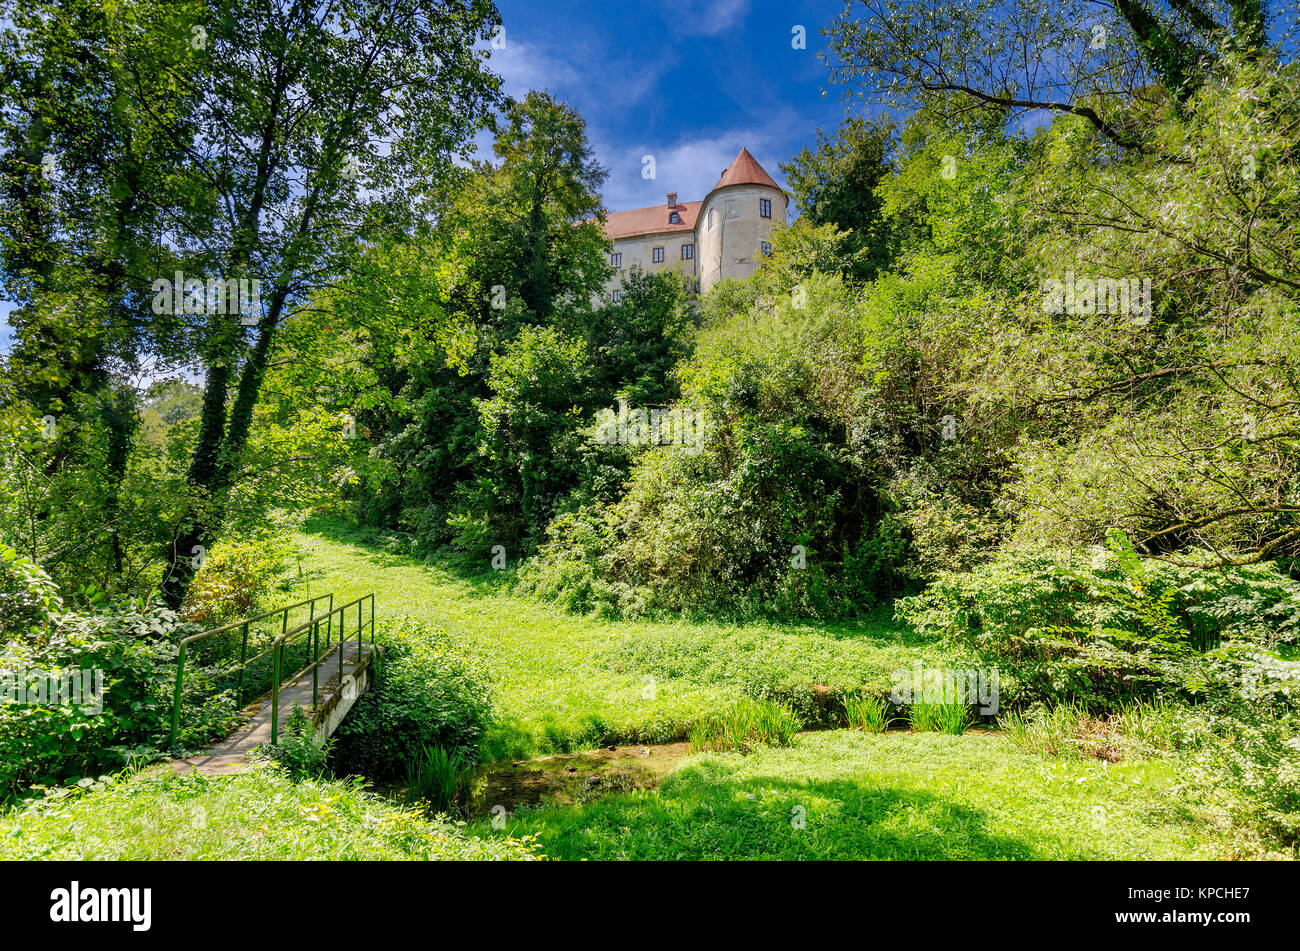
(674, 219)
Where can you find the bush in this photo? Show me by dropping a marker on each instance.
(298, 749)
(130, 652)
(426, 695)
(777, 508)
(27, 595)
(1248, 768)
(236, 575)
(1105, 627)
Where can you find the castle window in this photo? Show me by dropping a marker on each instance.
(712, 212)
(765, 207)
(688, 251)
(767, 249)
(618, 296)
(674, 219)
(657, 255)
(616, 259)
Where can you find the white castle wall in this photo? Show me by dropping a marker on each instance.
(730, 246)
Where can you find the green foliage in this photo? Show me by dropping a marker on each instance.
(426, 695)
(638, 342)
(747, 726)
(128, 652)
(768, 511)
(256, 814)
(28, 598)
(836, 184)
(1249, 769)
(439, 779)
(530, 451)
(236, 576)
(1103, 628)
(298, 749)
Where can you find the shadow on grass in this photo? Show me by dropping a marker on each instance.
(389, 549)
(704, 812)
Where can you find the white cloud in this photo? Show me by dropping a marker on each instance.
(525, 66)
(688, 167)
(709, 18)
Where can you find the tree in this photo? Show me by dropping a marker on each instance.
(836, 185)
(1111, 63)
(531, 219)
(303, 132)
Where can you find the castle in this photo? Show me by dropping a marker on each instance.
(721, 236)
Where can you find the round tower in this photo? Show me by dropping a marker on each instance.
(736, 219)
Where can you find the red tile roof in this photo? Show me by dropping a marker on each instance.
(745, 170)
(653, 220)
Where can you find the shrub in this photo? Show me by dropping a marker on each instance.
(298, 749)
(236, 575)
(1104, 628)
(1248, 768)
(425, 695)
(131, 649)
(28, 597)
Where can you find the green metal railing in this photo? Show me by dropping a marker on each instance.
(245, 625)
(312, 629)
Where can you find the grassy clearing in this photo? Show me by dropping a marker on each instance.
(849, 795)
(563, 683)
(257, 814)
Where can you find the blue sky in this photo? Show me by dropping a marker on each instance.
(687, 82)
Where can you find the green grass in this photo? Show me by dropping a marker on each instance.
(849, 795)
(870, 714)
(952, 718)
(563, 682)
(438, 779)
(746, 726)
(256, 814)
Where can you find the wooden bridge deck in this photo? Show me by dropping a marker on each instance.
(336, 698)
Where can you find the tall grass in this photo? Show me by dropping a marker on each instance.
(870, 714)
(747, 725)
(951, 718)
(1070, 729)
(1153, 724)
(439, 779)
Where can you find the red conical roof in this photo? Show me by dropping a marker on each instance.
(745, 170)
